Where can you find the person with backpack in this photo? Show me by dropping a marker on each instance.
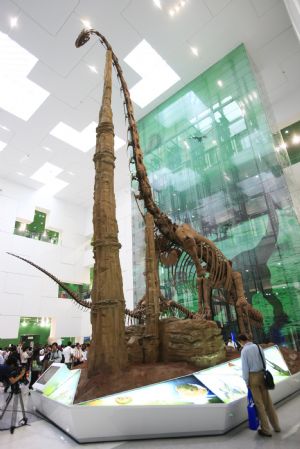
(56, 354)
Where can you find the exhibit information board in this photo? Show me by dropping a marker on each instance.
(220, 384)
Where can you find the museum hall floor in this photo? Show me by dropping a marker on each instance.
(42, 434)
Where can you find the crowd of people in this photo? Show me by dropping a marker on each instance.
(32, 362)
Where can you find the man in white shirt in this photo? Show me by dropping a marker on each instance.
(67, 352)
(253, 375)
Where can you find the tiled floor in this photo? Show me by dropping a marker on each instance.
(40, 434)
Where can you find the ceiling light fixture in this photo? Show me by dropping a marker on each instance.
(220, 83)
(13, 22)
(157, 76)
(171, 12)
(296, 139)
(93, 68)
(18, 95)
(157, 3)
(47, 148)
(2, 145)
(194, 50)
(86, 24)
(20, 173)
(4, 127)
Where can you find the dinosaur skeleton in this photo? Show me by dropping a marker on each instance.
(213, 269)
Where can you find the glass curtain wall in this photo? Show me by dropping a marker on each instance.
(213, 162)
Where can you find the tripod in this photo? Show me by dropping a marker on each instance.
(17, 395)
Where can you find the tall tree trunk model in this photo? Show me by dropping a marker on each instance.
(108, 351)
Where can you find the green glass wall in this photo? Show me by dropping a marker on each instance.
(214, 163)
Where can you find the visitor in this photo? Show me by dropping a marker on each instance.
(84, 352)
(253, 375)
(25, 355)
(231, 343)
(9, 372)
(67, 352)
(36, 367)
(77, 355)
(55, 355)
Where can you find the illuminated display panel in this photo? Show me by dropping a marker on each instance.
(180, 391)
(66, 391)
(48, 375)
(226, 380)
(221, 383)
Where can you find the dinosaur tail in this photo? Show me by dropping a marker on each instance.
(81, 302)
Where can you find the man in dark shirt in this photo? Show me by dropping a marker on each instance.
(253, 375)
(8, 372)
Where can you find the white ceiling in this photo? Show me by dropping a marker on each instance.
(48, 30)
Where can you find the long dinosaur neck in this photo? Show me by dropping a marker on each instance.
(161, 220)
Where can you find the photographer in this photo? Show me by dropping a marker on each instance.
(9, 372)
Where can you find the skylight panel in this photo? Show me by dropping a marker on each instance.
(82, 140)
(2, 145)
(157, 75)
(18, 95)
(52, 187)
(46, 173)
(118, 143)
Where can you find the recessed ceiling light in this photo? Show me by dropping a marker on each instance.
(13, 22)
(52, 187)
(296, 139)
(47, 148)
(2, 145)
(220, 83)
(46, 173)
(86, 24)
(4, 127)
(71, 173)
(157, 75)
(20, 173)
(82, 140)
(194, 50)
(214, 142)
(93, 68)
(18, 95)
(286, 131)
(157, 3)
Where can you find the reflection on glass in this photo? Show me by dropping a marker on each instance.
(212, 163)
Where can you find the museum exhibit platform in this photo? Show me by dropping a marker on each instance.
(208, 402)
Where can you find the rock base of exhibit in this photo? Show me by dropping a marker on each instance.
(193, 341)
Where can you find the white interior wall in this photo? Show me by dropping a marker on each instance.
(25, 291)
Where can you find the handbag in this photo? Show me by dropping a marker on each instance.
(253, 421)
(268, 378)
